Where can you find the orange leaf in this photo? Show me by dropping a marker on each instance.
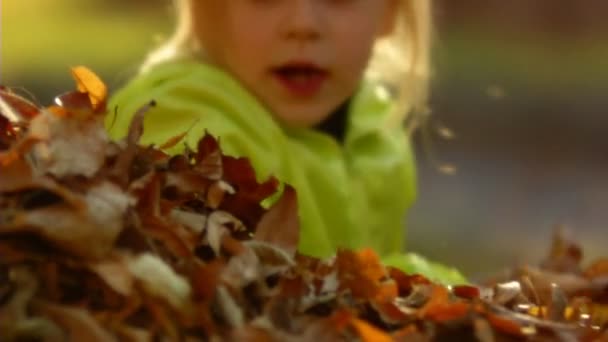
(340, 319)
(447, 311)
(406, 282)
(440, 295)
(362, 273)
(205, 279)
(215, 194)
(373, 267)
(16, 174)
(172, 141)
(390, 313)
(88, 82)
(505, 326)
(439, 308)
(387, 292)
(406, 332)
(369, 333)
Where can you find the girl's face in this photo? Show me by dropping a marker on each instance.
(301, 58)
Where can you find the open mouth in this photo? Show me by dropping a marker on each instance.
(302, 79)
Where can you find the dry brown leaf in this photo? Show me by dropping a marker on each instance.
(252, 334)
(78, 323)
(159, 280)
(114, 270)
(217, 224)
(15, 108)
(505, 326)
(61, 225)
(68, 147)
(16, 176)
(193, 221)
(483, 330)
(208, 158)
(280, 225)
(131, 334)
(88, 231)
(216, 193)
(163, 247)
(16, 309)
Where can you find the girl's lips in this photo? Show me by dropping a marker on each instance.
(301, 79)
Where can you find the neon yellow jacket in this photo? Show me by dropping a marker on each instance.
(351, 195)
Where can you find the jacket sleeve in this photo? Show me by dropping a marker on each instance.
(196, 99)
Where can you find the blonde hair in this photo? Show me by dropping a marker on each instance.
(400, 61)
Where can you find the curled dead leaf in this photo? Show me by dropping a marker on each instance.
(78, 323)
(97, 217)
(68, 147)
(280, 225)
(16, 108)
(159, 280)
(115, 272)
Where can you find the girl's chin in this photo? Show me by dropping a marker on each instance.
(299, 118)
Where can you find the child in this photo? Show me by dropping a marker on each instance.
(314, 92)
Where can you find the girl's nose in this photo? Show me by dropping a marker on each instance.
(304, 21)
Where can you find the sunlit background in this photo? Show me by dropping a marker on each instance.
(516, 144)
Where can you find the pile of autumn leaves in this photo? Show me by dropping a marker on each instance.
(113, 241)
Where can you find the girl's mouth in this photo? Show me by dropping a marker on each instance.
(301, 79)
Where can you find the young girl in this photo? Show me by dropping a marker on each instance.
(314, 92)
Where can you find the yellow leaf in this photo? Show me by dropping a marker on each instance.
(88, 82)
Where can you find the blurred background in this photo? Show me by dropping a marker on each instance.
(516, 145)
